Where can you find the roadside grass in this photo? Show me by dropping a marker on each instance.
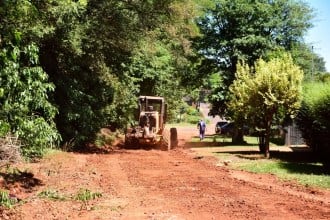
(52, 151)
(310, 174)
(6, 200)
(83, 195)
(298, 166)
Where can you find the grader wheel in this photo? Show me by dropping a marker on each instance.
(131, 143)
(173, 138)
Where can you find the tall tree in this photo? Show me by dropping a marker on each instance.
(164, 54)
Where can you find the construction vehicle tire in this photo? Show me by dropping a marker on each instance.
(173, 138)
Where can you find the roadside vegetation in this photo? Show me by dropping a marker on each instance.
(293, 166)
(265, 95)
(307, 174)
(314, 119)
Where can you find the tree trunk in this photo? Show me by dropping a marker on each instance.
(267, 138)
(262, 145)
(237, 137)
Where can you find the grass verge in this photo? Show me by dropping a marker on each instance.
(299, 166)
(308, 174)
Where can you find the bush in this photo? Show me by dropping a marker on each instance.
(105, 137)
(314, 119)
(25, 107)
(192, 115)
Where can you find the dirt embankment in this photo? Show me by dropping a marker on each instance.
(153, 184)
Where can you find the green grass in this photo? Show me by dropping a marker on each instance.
(286, 165)
(309, 174)
(226, 140)
(6, 200)
(83, 195)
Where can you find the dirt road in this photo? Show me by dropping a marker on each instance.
(140, 184)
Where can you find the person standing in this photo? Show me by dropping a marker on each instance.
(202, 127)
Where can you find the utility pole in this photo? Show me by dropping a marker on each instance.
(312, 63)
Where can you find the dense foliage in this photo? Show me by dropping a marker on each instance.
(314, 119)
(96, 57)
(117, 50)
(311, 63)
(266, 94)
(25, 108)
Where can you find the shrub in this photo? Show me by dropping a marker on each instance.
(314, 119)
(192, 115)
(105, 137)
(25, 107)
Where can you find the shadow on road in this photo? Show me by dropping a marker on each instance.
(212, 141)
(24, 179)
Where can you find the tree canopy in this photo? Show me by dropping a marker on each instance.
(96, 57)
(266, 94)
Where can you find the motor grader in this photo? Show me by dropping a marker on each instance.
(150, 128)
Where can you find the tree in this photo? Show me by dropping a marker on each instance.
(247, 30)
(267, 93)
(311, 63)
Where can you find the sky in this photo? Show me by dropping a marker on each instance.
(319, 35)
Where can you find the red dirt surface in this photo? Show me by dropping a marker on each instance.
(154, 184)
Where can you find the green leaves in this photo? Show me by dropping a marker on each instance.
(314, 119)
(24, 103)
(6, 200)
(268, 92)
(95, 58)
